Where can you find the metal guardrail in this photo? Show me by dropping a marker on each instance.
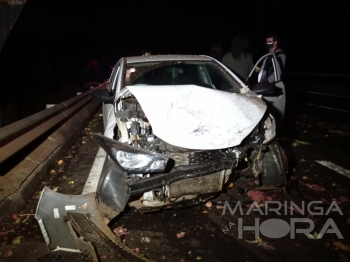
(327, 92)
(17, 135)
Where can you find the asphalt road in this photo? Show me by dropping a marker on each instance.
(208, 234)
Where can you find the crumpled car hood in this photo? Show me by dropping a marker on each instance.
(199, 118)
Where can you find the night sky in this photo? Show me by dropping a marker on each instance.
(52, 41)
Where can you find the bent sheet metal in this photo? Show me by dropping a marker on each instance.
(199, 118)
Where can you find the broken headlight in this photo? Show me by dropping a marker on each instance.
(132, 159)
(140, 162)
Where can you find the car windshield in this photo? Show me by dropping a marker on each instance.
(205, 74)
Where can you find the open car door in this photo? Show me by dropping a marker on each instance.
(265, 79)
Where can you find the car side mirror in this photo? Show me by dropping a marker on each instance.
(266, 89)
(103, 95)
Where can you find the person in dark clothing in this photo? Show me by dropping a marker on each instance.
(239, 60)
(266, 72)
(216, 52)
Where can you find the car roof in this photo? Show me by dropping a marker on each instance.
(160, 58)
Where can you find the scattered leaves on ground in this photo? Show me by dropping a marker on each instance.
(145, 240)
(341, 246)
(120, 231)
(299, 142)
(261, 244)
(17, 240)
(6, 232)
(7, 254)
(313, 186)
(209, 204)
(180, 235)
(342, 200)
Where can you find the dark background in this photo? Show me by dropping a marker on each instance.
(57, 46)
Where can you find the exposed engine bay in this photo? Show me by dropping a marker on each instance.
(188, 173)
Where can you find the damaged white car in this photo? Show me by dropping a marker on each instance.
(176, 129)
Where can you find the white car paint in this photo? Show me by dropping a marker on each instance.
(109, 120)
(195, 117)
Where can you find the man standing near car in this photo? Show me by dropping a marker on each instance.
(266, 71)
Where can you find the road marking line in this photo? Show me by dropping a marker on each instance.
(95, 172)
(335, 168)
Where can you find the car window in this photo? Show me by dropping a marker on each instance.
(205, 74)
(263, 71)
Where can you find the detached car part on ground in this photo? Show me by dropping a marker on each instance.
(176, 129)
